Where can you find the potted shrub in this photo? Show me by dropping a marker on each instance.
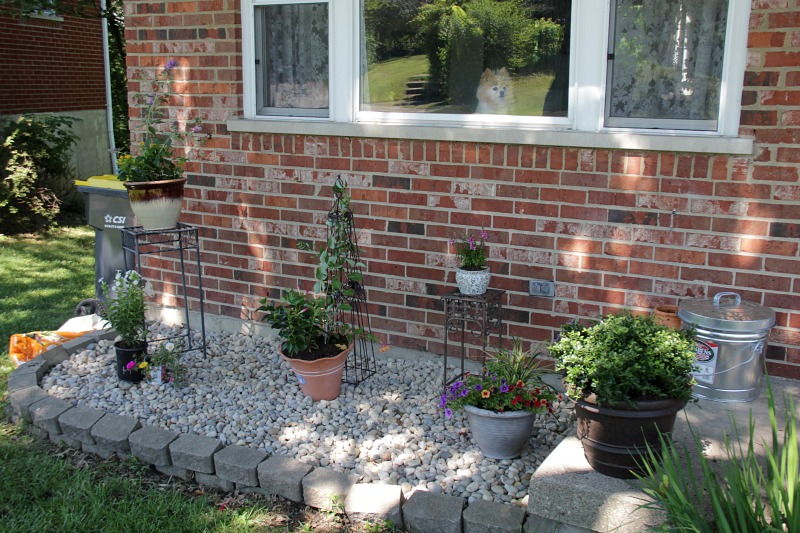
(502, 402)
(472, 277)
(154, 176)
(315, 339)
(629, 376)
(124, 310)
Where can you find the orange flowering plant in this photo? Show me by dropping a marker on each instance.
(511, 381)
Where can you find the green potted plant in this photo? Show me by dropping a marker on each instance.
(315, 339)
(154, 175)
(629, 376)
(165, 365)
(124, 310)
(473, 275)
(502, 402)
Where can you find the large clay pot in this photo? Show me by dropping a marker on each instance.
(500, 435)
(156, 204)
(320, 379)
(615, 437)
(473, 282)
(667, 315)
(124, 356)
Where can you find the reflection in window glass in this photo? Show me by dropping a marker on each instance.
(667, 60)
(292, 59)
(506, 57)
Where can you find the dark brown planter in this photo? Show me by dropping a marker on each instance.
(615, 437)
(124, 356)
(156, 204)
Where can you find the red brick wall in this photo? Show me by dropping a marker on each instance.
(50, 66)
(599, 222)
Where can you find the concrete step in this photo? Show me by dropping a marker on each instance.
(568, 496)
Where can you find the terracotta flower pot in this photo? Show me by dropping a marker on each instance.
(320, 379)
(667, 315)
(124, 356)
(156, 204)
(500, 435)
(473, 282)
(615, 437)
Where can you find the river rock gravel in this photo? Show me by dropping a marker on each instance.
(385, 430)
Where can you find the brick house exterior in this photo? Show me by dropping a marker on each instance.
(55, 65)
(614, 228)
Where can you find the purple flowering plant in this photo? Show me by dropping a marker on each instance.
(471, 250)
(155, 159)
(511, 381)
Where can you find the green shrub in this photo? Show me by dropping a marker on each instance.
(36, 173)
(625, 358)
(743, 498)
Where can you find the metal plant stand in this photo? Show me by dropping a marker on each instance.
(182, 238)
(360, 363)
(478, 315)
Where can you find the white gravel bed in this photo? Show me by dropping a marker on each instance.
(385, 430)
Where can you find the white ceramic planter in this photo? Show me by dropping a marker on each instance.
(473, 282)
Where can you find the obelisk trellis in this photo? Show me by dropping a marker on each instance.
(361, 361)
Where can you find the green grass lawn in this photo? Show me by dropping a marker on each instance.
(46, 488)
(42, 279)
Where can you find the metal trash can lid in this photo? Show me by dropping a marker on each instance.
(726, 312)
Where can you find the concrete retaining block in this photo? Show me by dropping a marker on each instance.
(100, 451)
(77, 423)
(79, 343)
(151, 445)
(39, 433)
(425, 512)
(176, 471)
(45, 413)
(283, 476)
(112, 432)
(215, 482)
(492, 517)
(38, 365)
(55, 355)
(21, 380)
(21, 400)
(325, 488)
(238, 464)
(64, 440)
(194, 452)
(375, 503)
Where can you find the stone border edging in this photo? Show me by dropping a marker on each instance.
(234, 467)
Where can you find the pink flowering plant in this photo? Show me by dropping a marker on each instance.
(511, 381)
(155, 159)
(471, 250)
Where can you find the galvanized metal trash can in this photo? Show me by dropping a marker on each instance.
(731, 343)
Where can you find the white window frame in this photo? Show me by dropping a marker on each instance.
(582, 127)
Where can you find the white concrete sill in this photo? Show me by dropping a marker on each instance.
(605, 140)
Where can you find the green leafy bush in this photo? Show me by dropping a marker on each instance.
(36, 173)
(625, 358)
(744, 497)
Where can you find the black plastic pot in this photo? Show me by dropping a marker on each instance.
(124, 356)
(615, 437)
